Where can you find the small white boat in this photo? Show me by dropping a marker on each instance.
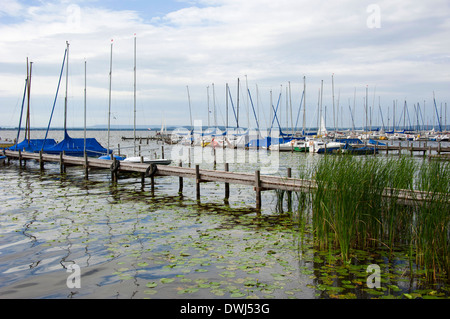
(288, 146)
(6, 143)
(315, 145)
(146, 160)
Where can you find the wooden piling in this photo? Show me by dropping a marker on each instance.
(258, 189)
(197, 181)
(142, 174)
(86, 166)
(41, 162)
(227, 185)
(180, 180)
(62, 169)
(289, 193)
(113, 174)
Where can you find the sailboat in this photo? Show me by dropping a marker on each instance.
(74, 146)
(135, 158)
(28, 144)
(109, 155)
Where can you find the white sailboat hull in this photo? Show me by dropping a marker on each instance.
(146, 160)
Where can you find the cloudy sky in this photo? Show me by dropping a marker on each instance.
(397, 51)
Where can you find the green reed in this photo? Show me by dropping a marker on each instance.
(351, 209)
(357, 205)
(432, 229)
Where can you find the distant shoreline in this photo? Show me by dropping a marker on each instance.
(87, 129)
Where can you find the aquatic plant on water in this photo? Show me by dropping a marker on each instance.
(358, 204)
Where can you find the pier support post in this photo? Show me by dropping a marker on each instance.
(62, 167)
(227, 185)
(113, 174)
(41, 161)
(142, 174)
(152, 184)
(20, 158)
(180, 179)
(86, 166)
(289, 193)
(258, 189)
(197, 181)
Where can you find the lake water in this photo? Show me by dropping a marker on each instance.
(62, 236)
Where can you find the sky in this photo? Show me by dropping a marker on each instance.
(390, 53)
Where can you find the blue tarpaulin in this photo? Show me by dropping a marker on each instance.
(33, 145)
(75, 147)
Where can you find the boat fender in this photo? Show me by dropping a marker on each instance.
(115, 166)
(151, 170)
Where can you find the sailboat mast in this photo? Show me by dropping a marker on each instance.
(237, 118)
(85, 82)
(214, 105)
(366, 106)
(226, 95)
(28, 122)
(109, 105)
(334, 109)
(134, 128)
(207, 98)
(321, 99)
(304, 104)
(290, 109)
(190, 109)
(248, 102)
(67, 88)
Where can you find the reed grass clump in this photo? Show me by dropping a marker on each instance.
(357, 205)
(431, 239)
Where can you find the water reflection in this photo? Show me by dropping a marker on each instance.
(133, 243)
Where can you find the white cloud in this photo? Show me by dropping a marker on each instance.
(216, 41)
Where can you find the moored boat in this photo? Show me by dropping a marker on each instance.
(138, 159)
(6, 143)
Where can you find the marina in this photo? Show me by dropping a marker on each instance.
(203, 153)
(231, 212)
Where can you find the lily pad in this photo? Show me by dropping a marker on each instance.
(151, 284)
(167, 280)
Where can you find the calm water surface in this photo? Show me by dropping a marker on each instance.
(129, 242)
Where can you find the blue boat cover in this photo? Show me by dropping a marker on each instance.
(75, 147)
(32, 145)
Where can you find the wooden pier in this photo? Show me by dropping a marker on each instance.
(410, 147)
(259, 182)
